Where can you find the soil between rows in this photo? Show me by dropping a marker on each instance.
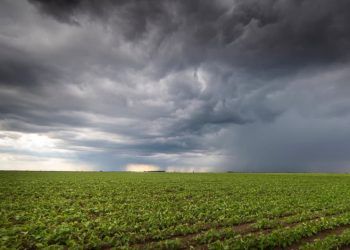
(319, 236)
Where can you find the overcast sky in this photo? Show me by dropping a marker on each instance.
(242, 85)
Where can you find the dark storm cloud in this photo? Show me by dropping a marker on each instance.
(228, 84)
(279, 33)
(18, 69)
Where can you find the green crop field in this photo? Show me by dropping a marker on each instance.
(92, 210)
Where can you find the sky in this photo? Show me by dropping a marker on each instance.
(176, 85)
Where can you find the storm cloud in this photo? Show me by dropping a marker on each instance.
(242, 85)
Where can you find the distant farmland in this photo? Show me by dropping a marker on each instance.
(174, 211)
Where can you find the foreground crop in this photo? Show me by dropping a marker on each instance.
(169, 210)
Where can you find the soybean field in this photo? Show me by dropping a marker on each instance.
(121, 210)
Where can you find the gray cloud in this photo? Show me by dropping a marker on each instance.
(283, 34)
(214, 85)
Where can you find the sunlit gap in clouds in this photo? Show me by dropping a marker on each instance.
(141, 167)
(31, 142)
(137, 167)
(32, 151)
(28, 162)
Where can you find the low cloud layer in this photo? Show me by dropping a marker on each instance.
(241, 85)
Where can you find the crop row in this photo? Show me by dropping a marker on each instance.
(221, 233)
(282, 237)
(241, 231)
(330, 242)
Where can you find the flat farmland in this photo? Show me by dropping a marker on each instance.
(110, 210)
